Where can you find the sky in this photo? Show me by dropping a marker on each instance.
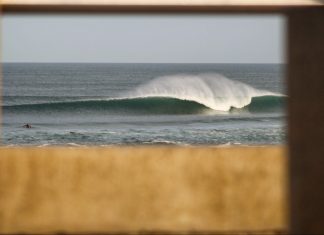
(143, 38)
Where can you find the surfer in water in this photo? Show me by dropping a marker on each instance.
(27, 126)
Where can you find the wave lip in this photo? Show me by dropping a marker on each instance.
(141, 105)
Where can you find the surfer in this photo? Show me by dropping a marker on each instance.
(27, 126)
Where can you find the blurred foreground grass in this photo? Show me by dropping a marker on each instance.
(132, 189)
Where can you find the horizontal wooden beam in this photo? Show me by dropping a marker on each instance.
(165, 2)
(144, 6)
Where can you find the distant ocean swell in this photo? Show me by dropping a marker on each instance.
(177, 94)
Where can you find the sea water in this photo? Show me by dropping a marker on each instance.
(143, 104)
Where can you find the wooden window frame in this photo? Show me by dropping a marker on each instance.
(305, 82)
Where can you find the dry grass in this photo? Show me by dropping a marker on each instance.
(80, 190)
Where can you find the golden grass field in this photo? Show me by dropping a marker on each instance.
(143, 189)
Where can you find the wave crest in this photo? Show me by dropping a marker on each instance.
(211, 90)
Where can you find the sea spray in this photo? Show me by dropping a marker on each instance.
(211, 90)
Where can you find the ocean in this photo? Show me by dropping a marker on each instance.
(106, 104)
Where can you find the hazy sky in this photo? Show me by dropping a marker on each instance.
(147, 38)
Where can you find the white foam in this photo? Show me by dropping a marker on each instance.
(212, 90)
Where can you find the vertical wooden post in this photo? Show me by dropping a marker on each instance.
(306, 119)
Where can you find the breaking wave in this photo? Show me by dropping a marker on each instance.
(178, 94)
